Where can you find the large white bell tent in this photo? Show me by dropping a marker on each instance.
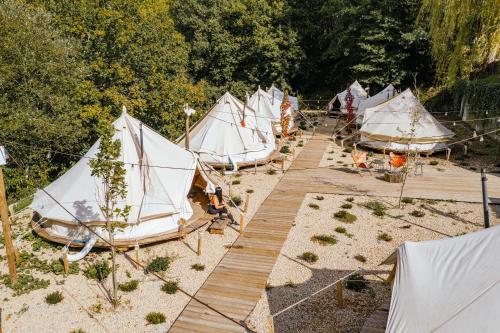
(447, 285)
(278, 95)
(229, 136)
(379, 98)
(261, 103)
(402, 124)
(338, 103)
(158, 182)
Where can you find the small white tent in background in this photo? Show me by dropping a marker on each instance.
(339, 103)
(157, 196)
(261, 103)
(389, 126)
(278, 95)
(374, 100)
(229, 135)
(447, 285)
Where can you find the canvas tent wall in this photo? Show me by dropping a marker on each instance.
(338, 103)
(278, 95)
(384, 95)
(220, 139)
(267, 112)
(157, 196)
(447, 285)
(389, 126)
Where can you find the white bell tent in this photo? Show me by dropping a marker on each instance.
(381, 97)
(339, 103)
(278, 95)
(389, 126)
(158, 182)
(261, 103)
(229, 135)
(447, 285)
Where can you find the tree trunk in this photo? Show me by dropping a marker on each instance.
(113, 263)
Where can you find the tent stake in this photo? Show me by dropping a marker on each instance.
(392, 274)
(4, 215)
(200, 242)
(448, 154)
(339, 294)
(484, 183)
(137, 258)
(255, 167)
(65, 262)
(242, 223)
(283, 160)
(245, 207)
(182, 228)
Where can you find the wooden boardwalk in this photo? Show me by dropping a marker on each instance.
(236, 284)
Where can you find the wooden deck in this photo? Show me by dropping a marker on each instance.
(236, 284)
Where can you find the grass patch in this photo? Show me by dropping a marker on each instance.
(406, 226)
(319, 197)
(236, 182)
(346, 206)
(356, 282)
(129, 286)
(300, 144)
(22, 204)
(159, 264)
(343, 155)
(309, 257)
(347, 150)
(407, 200)
(313, 206)
(378, 208)
(57, 267)
(285, 150)
(350, 199)
(98, 271)
(360, 258)
(340, 230)
(329, 159)
(271, 172)
(417, 213)
(155, 318)
(235, 201)
(198, 267)
(434, 162)
(170, 287)
(54, 298)
(249, 191)
(290, 284)
(345, 216)
(324, 239)
(384, 237)
(78, 331)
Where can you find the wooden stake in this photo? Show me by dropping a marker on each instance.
(270, 324)
(293, 153)
(182, 228)
(4, 215)
(137, 257)
(200, 242)
(242, 223)
(187, 131)
(342, 143)
(283, 160)
(339, 294)
(448, 155)
(392, 274)
(255, 167)
(230, 192)
(245, 206)
(355, 148)
(65, 262)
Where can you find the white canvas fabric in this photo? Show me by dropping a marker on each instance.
(384, 95)
(220, 136)
(157, 196)
(261, 103)
(389, 125)
(277, 94)
(3, 156)
(448, 285)
(358, 93)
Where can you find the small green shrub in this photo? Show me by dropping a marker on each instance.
(198, 267)
(345, 216)
(340, 230)
(285, 150)
(324, 239)
(377, 207)
(346, 206)
(170, 287)
(313, 206)
(236, 182)
(343, 155)
(54, 298)
(350, 199)
(360, 258)
(290, 284)
(155, 318)
(384, 237)
(271, 172)
(235, 201)
(78, 331)
(300, 144)
(320, 197)
(433, 162)
(347, 150)
(159, 264)
(407, 200)
(129, 286)
(417, 213)
(249, 190)
(98, 271)
(309, 257)
(356, 282)
(25, 283)
(329, 159)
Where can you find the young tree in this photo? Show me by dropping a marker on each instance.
(107, 167)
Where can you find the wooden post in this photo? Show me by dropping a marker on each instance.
(392, 274)
(342, 143)
(245, 206)
(187, 131)
(182, 228)
(270, 324)
(355, 150)
(200, 242)
(293, 153)
(17, 254)
(230, 192)
(448, 154)
(339, 294)
(242, 223)
(65, 262)
(283, 160)
(255, 167)
(137, 257)
(4, 215)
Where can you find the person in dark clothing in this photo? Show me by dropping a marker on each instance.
(218, 205)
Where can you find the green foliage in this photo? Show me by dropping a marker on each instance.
(77, 331)
(129, 286)
(159, 264)
(346, 206)
(340, 230)
(345, 216)
(57, 267)
(417, 213)
(285, 150)
(170, 287)
(356, 282)
(249, 190)
(407, 200)
(25, 283)
(324, 239)
(271, 172)
(309, 257)
(98, 271)
(319, 197)
(384, 237)
(235, 201)
(360, 258)
(198, 267)
(433, 162)
(377, 207)
(54, 298)
(236, 182)
(350, 199)
(313, 206)
(155, 318)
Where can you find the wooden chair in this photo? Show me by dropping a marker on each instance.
(361, 163)
(397, 161)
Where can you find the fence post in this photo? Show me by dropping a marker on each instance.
(339, 294)
(200, 242)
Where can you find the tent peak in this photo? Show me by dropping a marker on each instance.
(124, 109)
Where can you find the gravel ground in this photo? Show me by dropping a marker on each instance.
(85, 305)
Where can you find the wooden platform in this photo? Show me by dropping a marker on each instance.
(377, 322)
(236, 284)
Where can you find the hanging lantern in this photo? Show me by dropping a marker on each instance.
(474, 135)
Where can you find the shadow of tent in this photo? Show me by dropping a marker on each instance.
(320, 313)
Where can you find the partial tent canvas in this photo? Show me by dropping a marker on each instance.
(157, 195)
(266, 111)
(278, 95)
(389, 126)
(358, 93)
(447, 285)
(381, 97)
(229, 134)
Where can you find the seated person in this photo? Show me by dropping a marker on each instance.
(218, 205)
